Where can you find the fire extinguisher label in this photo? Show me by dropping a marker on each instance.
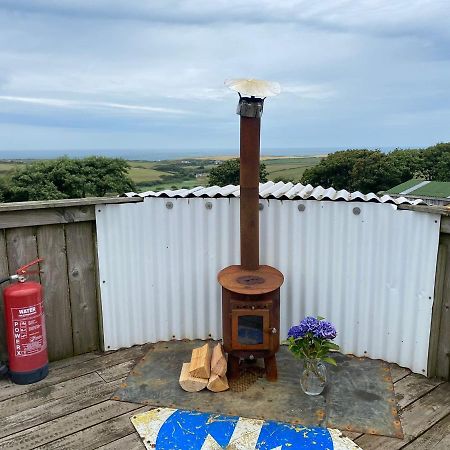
(29, 335)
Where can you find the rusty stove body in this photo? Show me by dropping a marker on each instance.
(250, 291)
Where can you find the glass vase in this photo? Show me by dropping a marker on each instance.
(314, 377)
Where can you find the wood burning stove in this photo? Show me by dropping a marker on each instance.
(250, 292)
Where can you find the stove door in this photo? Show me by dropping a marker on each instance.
(249, 329)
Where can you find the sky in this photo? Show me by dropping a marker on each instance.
(118, 75)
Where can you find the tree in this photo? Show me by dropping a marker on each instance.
(365, 170)
(227, 172)
(68, 178)
(335, 170)
(435, 165)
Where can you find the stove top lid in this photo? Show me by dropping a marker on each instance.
(261, 281)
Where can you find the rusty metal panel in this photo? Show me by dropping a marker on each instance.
(359, 396)
(367, 267)
(280, 190)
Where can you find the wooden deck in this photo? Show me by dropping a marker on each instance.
(71, 409)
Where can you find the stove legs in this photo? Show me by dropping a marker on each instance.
(270, 364)
(233, 367)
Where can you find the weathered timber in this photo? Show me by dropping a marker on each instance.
(130, 442)
(82, 286)
(436, 438)
(14, 219)
(439, 345)
(217, 383)
(190, 383)
(4, 272)
(218, 361)
(201, 362)
(62, 374)
(445, 224)
(397, 372)
(416, 419)
(412, 387)
(27, 401)
(118, 371)
(21, 246)
(44, 204)
(441, 210)
(91, 390)
(101, 434)
(58, 318)
(68, 424)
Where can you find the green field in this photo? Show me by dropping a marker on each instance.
(191, 172)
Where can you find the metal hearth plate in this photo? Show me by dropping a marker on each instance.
(359, 396)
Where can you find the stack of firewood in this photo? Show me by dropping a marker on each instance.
(207, 369)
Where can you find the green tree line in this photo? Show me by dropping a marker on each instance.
(373, 171)
(66, 178)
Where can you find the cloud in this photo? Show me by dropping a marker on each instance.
(60, 103)
(156, 69)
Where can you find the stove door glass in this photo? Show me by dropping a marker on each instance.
(250, 330)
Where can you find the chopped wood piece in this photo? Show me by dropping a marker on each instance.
(190, 383)
(217, 384)
(201, 362)
(218, 361)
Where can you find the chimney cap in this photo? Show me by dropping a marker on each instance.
(249, 87)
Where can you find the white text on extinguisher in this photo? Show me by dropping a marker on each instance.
(28, 330)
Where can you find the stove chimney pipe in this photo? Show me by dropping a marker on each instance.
(251, 102)
(250, 110)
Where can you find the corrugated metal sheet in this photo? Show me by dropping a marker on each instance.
(371, 273)
(280, 190)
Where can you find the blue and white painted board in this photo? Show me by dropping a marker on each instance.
(177, 429)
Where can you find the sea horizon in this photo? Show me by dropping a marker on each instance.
(160, 154)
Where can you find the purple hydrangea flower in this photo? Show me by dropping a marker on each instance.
(295, 332)
(309, 325)
(325, 330)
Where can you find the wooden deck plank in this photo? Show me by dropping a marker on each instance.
(96, 392)
(409, 389)
(68, 424)
(436, 438)
(397, 372)
(101, 434)
(417, 418)
(118, 371)
(61, 374)
(129, 442)
(45, 395)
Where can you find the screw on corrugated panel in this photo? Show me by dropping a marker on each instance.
(356, 211)
(208, 205)
(169, 205)
(261, 206)
(301, 207)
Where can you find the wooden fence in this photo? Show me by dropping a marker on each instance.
(439, 350)
(63, 233)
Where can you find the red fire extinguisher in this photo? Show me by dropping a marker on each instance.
(25, 327)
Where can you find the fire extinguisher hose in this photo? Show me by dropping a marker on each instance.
(10, 278)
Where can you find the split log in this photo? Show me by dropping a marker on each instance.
(217, 383)
(190, 383)
(201, 362)
(218, 361)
